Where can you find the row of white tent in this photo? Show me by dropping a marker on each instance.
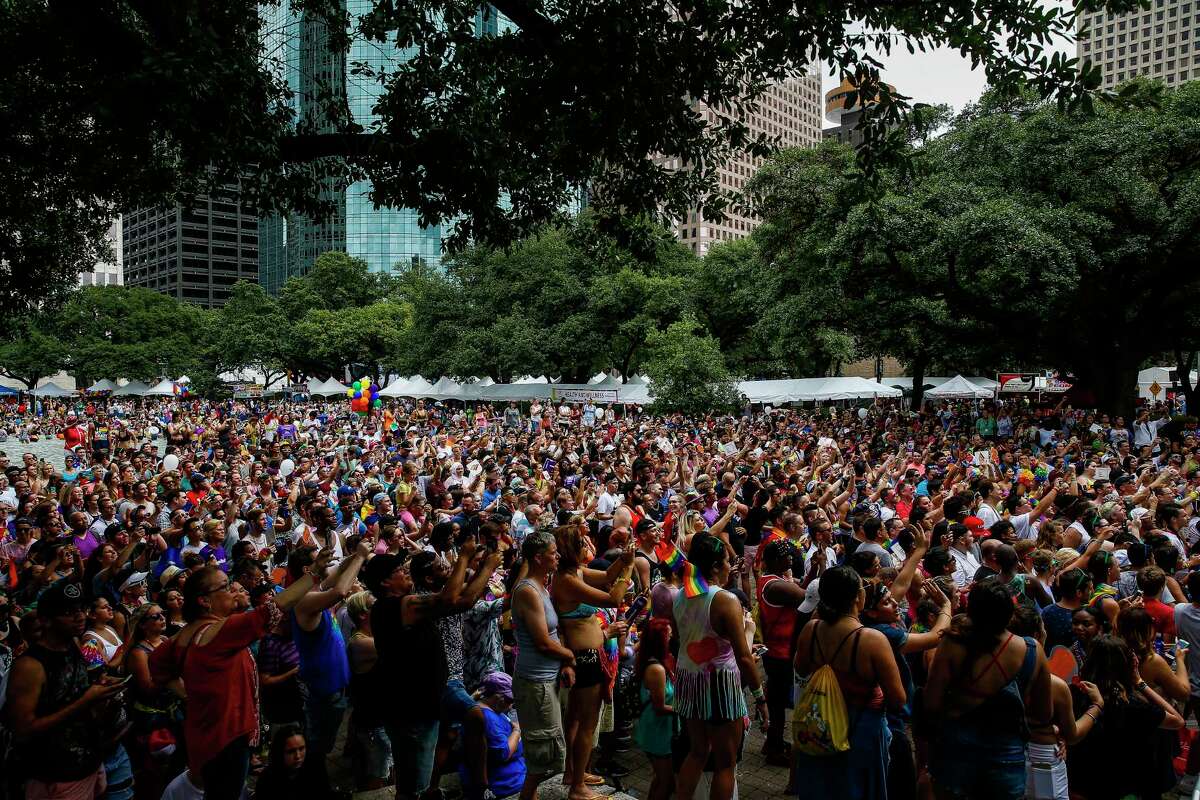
(636, 391)
(602, 388)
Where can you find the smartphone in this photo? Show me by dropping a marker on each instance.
(1182, 643)
(636, 608)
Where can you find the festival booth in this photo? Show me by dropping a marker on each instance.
(450, 389)
(8, 391)
(164, 388)
(805, 390)
(329, 388)
(131, 389)
(52, 390)
(905, 382)
(959, 388)
(415, 387)
(102, 386)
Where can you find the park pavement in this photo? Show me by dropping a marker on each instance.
(756, 780)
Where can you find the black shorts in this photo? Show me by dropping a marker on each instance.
(588, 670)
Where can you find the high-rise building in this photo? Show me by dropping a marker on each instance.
(298, 49)
(107, 273)
(194, 253)
(1158, 42)
(845, 120)
(789, 111)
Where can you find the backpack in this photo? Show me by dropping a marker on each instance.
(820, 721)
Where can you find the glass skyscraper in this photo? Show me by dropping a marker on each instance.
(296, 46)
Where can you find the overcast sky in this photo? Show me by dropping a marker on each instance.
(940, 76)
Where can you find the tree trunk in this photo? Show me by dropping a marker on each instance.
(1114, 384)
(919, 364)
(1183, 365)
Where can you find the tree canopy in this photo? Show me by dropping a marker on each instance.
(486, 128)
(567, 302)
(1025, 235)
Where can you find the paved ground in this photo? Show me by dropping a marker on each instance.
(756, 780)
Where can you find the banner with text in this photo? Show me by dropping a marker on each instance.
(583, 395)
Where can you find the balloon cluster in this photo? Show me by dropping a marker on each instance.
(364, 395)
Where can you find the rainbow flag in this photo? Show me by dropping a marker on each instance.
(668, 554)
(694, 584)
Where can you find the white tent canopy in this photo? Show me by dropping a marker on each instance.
(797, 390)
(52, 390)
(906, 382)
(959, 388)
(415, 386)
(131, 389)
(104, 385)
(450, 389)
(1160, 375)
(327, 388)
(164, 388)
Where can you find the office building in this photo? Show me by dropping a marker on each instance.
(790, 112)
(107, 273)
(383, 237)
(194, 253)
(845, 119)
(1158, 42)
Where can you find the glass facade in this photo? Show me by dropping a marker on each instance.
(297, 47)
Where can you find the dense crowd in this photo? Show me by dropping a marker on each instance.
(978, 600)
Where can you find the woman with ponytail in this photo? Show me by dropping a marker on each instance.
(867, 674)
(986, 687)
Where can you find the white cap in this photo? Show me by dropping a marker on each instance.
(812, 596)
(134, 579)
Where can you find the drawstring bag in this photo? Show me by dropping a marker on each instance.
(820, 722)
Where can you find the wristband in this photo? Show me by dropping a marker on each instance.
(757, 694)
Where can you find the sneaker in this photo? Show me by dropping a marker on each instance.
(1185, 787)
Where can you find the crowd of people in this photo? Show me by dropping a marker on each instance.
(977, 600)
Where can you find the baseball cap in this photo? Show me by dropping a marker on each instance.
(812, 596)
(379, 498)
(61, 598)
(345, 491)
(975, 524)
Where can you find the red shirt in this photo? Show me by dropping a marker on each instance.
(73, 436)
(221, 680)
(778, 622)
(1163, 616)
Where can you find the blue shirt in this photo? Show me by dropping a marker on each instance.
(897, 637)
(506, 774)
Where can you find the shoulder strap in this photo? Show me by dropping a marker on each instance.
(1028, 664)
(816, 645)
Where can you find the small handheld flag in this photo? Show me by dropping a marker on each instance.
(668, 555)
(694, 584)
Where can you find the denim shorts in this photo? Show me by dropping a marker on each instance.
(376, 752)
(414, 743)
(978, 768)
